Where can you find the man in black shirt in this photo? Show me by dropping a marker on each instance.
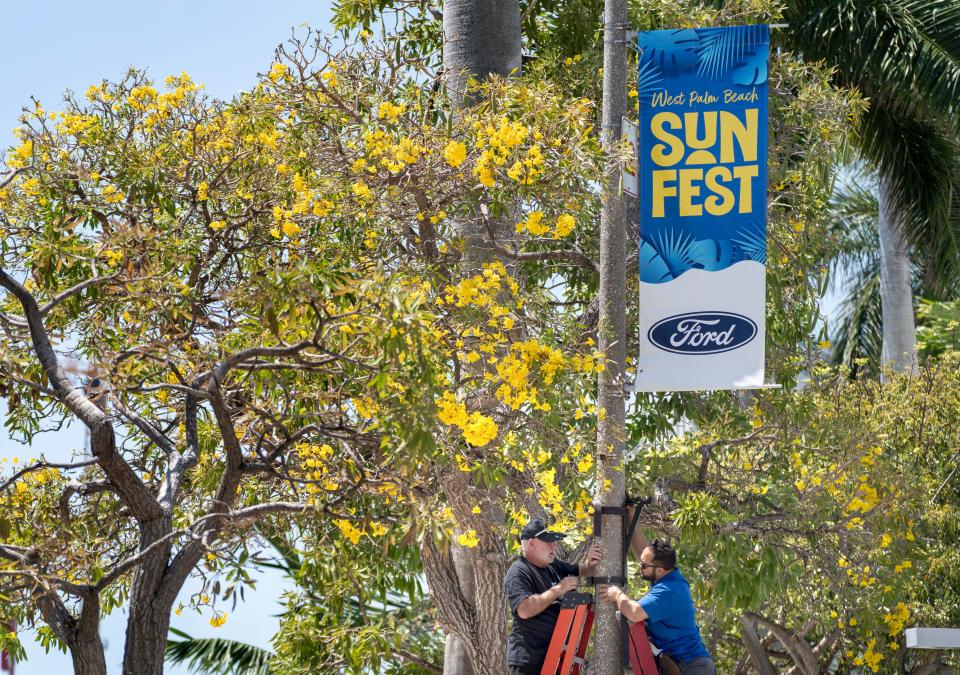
(534, 585)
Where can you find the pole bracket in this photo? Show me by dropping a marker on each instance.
(616, 581)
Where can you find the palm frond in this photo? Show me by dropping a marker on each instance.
(938, 259)
(853, 213)
(216, 656)
(917, 162)
(906, 51)
(858, 335)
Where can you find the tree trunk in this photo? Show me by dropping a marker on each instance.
(81, 634)
(146, 639)
(480, 38)
(456, 656)
(896, 292)
(149, 620)
(88, 658)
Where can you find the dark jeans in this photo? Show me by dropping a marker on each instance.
(525, 670)
(701, 666)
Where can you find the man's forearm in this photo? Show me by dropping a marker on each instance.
(534, 604)
(630, 609)
(638, 542)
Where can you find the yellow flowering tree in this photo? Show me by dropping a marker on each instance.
(250, 305)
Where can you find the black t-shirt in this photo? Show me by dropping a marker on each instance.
(530, 638)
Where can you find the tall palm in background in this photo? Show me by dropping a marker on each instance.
(854, 227)
(905, 56)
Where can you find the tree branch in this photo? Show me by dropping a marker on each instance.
(76, 487)
(73, 290)
(43, 465)
(148, 429)
(102, 439)
(796, 646)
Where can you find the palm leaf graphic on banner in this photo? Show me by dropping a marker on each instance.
(722, 49)
(751, 72)
(671, 253)
(711, 254)
(751, 243)
(674, 248)
(648, 80)
(653, 269)
(672, 51)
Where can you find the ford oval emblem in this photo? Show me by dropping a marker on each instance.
(702, 332)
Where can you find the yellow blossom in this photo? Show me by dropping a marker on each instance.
(362, 191)
(455, 153)
(533, 224)
(290, 228)
(480, 430)
(468, 539)
(391, 112)
(348, 530)
(278, 71)
(564, 226)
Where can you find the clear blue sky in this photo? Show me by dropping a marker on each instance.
(47, 47)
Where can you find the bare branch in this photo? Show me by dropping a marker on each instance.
(76, 487)
(36, 386)
(179, 462)
(9, 179)
(220, 372)
(15, 321)
(148, 429)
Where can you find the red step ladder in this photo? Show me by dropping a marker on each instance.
(568, 645)
(642, 661)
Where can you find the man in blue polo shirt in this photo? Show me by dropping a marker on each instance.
(667, 609)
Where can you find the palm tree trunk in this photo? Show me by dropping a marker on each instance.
(480, 38)
(896, 292)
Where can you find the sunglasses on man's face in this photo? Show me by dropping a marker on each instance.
(644, 565)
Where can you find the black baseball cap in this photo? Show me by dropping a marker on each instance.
(537, 529)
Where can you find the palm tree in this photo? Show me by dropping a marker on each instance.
(854, 227)
(905, 56)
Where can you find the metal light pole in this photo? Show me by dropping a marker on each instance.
(611, 333)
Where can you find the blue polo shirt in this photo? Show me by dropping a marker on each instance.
(672, 623)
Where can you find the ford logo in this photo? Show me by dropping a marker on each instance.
(702, 332)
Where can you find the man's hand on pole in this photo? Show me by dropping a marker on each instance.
(590, 560)
(630, 609)
(567, 584)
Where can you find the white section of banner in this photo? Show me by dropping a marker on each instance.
(739, 290)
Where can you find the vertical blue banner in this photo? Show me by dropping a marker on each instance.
(703, 177)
